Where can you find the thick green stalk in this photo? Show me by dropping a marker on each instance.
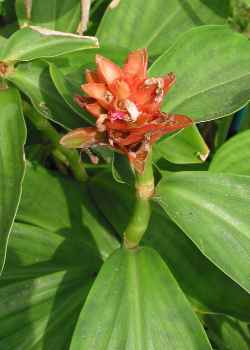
(137, 226)
(72, 156)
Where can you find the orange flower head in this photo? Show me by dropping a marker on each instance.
(126, 104)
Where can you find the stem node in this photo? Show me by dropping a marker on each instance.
(138, 224)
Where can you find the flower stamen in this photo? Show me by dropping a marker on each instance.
(108, 97)
(100, 122)
(132, 110)
(159, 91)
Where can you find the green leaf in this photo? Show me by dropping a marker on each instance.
(3, 41)
(193, 271)
(212, 67)
(12, 139)
(227, 333)
(62, 205)
(213, 210)
(68, 89)
(185, 147)
(62, 16)
(121, 169)
(137, 305)
(157, 23)
(222, 130)
(46, 280)
(40, 309)
(34, 252)
(34, 42)
(9, 28)
(245, 123)
(74, 64)
(33, 80)
(246, 2)
(234, 156)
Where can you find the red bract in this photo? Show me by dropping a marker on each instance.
(126, 105)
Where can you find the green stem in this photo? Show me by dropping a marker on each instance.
(139, 221)
(72, 156)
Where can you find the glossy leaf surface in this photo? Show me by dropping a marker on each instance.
(206, 63)
(12, 139)
(213, 210)
(33, 80)
(157, 23)
(227, 333)
(31, 43)
(197, 276)
(62, 205)
(131, 286)
(69, 88)
(40, 290)
(186, 147)
(233, 156)
(62, 16)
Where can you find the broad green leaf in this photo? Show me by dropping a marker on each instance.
(213, 210)
(73, 65)
(194, 272)
(212, 68)
(186, 147)
(3, 41)
(135, 303)
(227, 333)
(33, 80)
(35, 42)
(46, 280)
(34, 311)
(68, 89)
(62, 16)
(34, 252)
(62, 205)
(233, 156)
(158, 23)
(12, 139)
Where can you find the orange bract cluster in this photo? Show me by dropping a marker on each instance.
(126, 105)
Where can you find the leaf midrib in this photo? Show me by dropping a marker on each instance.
(164, 24)
(177, 105)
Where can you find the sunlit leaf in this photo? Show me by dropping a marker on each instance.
(45, 282)
(62, 16)
(34, 42)
(12, 139)
(197, 276)
(158, 23)
(33, 80)
(186, 147)
(213, 210)
(233, 156)
(212, 68)
(62, 205)
(137, 304)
